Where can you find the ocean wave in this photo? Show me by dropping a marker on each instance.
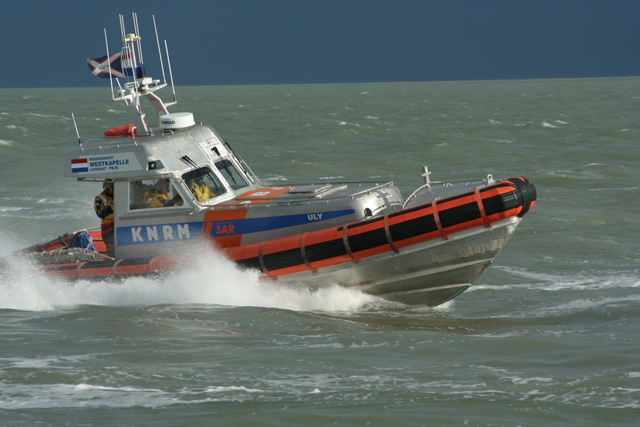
(214, 281)
(82, 395)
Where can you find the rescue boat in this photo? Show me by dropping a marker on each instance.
(425, 249)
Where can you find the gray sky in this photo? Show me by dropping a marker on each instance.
(45, 43)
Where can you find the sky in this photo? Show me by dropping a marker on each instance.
(46, 43)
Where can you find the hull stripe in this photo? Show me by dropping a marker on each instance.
(348, 243)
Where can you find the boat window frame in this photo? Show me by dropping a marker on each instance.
(220, 189)
(141, 202)
(229, 164)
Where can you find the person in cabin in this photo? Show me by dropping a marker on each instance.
(200, 190)
(138, 196)
(103, 205)
(161, 199)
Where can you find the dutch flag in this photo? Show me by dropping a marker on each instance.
(79, 165)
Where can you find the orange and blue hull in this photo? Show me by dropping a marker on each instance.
(424, 254)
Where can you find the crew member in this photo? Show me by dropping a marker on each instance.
(103, 206)
(161, 197)
(200, 190)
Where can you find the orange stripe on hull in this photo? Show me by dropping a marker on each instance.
(392, 232)
(131, 269)
(93, 272)
(343, 244)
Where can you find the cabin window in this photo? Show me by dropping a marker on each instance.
(203, 184)
(231, 174)
(153, 193)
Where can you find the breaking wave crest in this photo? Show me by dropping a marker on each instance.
(214, 280)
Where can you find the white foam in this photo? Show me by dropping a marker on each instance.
(557, 282)
(19, 396)
(213, 280)
(581, 304)
(231, 389)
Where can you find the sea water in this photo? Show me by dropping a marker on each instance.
(547, 336)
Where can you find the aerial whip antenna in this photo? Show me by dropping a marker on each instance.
(173, 88)
(106, 45)
(136, 29)
(155, 28)
(73, 117)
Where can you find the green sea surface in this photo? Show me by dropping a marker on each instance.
(547, 336)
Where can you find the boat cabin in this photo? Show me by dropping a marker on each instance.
(182, 183)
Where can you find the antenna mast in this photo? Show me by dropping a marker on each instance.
(137, 83)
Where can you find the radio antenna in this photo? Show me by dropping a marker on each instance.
(73, 117)
(136, 29)
(155, 28)
(173, 88)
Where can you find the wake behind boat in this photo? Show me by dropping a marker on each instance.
(176, 187)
